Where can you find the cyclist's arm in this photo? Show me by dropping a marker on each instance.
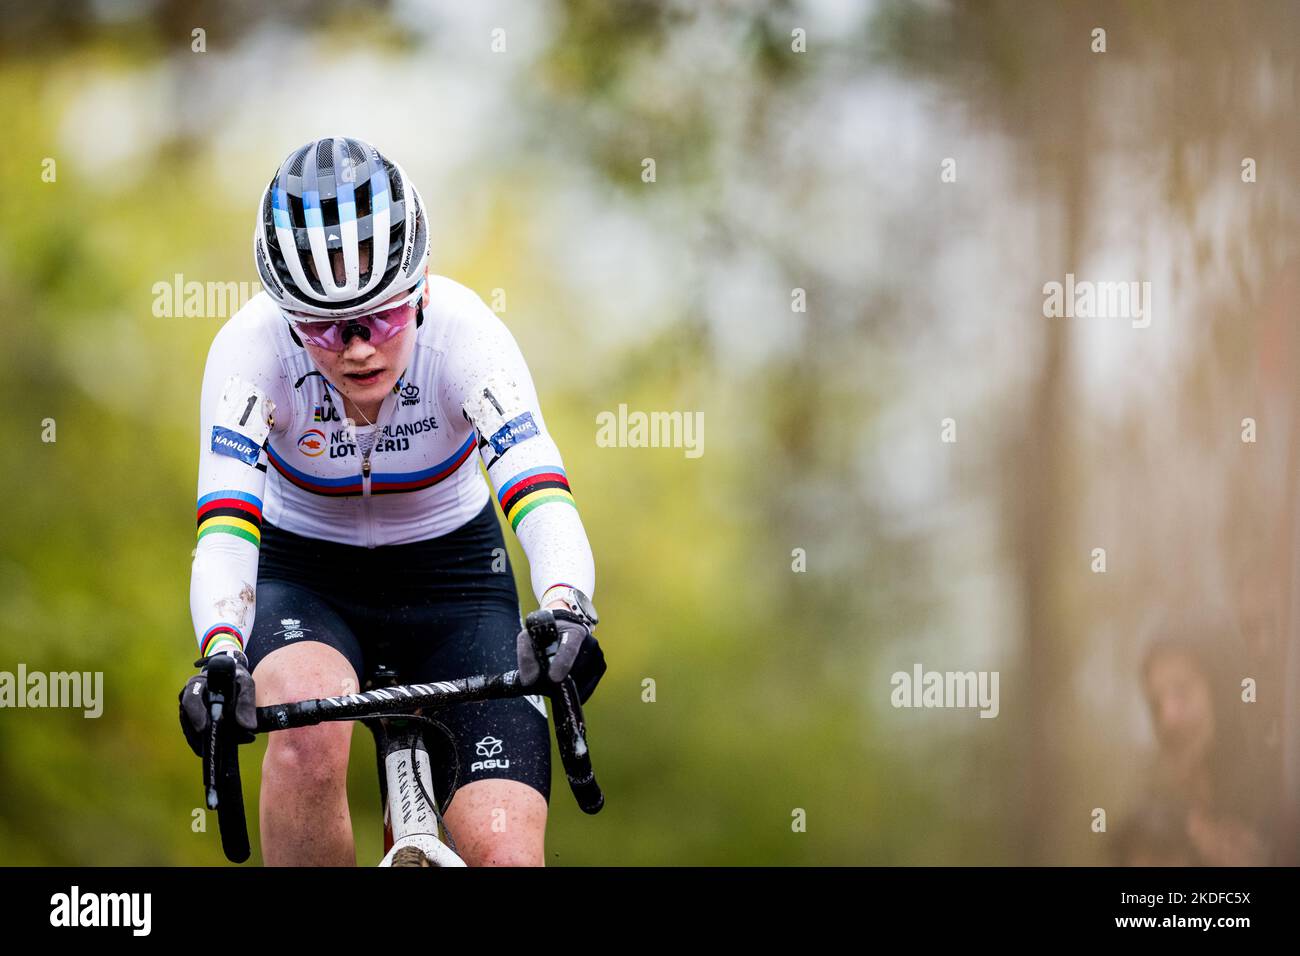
(488, 381)
(241, 386)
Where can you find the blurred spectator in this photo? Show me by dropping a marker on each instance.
(1208, 773)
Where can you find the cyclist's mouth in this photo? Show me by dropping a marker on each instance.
(365, 378)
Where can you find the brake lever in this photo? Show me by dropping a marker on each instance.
(544, 633)
(566, 708)
(221, 762)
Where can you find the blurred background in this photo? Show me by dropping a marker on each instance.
(840, 260)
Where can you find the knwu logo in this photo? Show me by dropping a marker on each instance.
(411, 395)
(489, 747)
(292, 629)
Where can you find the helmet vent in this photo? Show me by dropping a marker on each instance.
(325, 156)
(295, 164)
(286, 260)
(394, 182)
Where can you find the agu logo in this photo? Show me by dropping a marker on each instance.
(489, 746)
(312, 443)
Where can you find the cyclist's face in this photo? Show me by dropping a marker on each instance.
(366, 370)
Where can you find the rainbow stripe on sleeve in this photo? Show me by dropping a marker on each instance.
(219, 632)
(531, 489)
(231, 512)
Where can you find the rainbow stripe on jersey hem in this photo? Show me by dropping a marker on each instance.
(381, 483)
(387, 483)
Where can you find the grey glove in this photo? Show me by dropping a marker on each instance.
(575, 653)
(194, 704)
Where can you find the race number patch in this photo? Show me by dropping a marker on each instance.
(494, 405)
(243, 420)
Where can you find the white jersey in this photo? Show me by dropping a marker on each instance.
(274, 446)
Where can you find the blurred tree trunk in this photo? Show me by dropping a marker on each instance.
(1046, 532)
(1059, 135)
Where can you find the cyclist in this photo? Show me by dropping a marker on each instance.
(343, 522)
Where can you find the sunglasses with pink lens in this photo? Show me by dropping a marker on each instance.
(374, 327)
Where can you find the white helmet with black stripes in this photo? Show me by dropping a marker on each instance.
(340, 229)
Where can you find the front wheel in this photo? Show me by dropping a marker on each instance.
(410, 856)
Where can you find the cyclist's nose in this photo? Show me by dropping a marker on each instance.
(357, 343)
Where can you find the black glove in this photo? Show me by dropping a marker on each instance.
(194, 704)
(575, 654)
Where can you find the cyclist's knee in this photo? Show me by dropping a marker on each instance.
(312, 757)
(499, 822)
(303, 671)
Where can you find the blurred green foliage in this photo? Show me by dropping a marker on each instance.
(770, 687)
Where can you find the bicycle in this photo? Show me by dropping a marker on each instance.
(414, 831)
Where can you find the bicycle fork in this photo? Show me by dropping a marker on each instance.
(409, 820)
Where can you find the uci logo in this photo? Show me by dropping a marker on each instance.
(312, 443)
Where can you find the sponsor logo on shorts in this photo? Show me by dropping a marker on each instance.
(489, 747)
(291, 628)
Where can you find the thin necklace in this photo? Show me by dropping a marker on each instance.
(361, 413)
(328, 387)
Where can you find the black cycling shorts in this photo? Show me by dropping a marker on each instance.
(431, 610)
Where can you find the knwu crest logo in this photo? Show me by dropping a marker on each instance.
(489, 747)
(292, 629)
(411, 395)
